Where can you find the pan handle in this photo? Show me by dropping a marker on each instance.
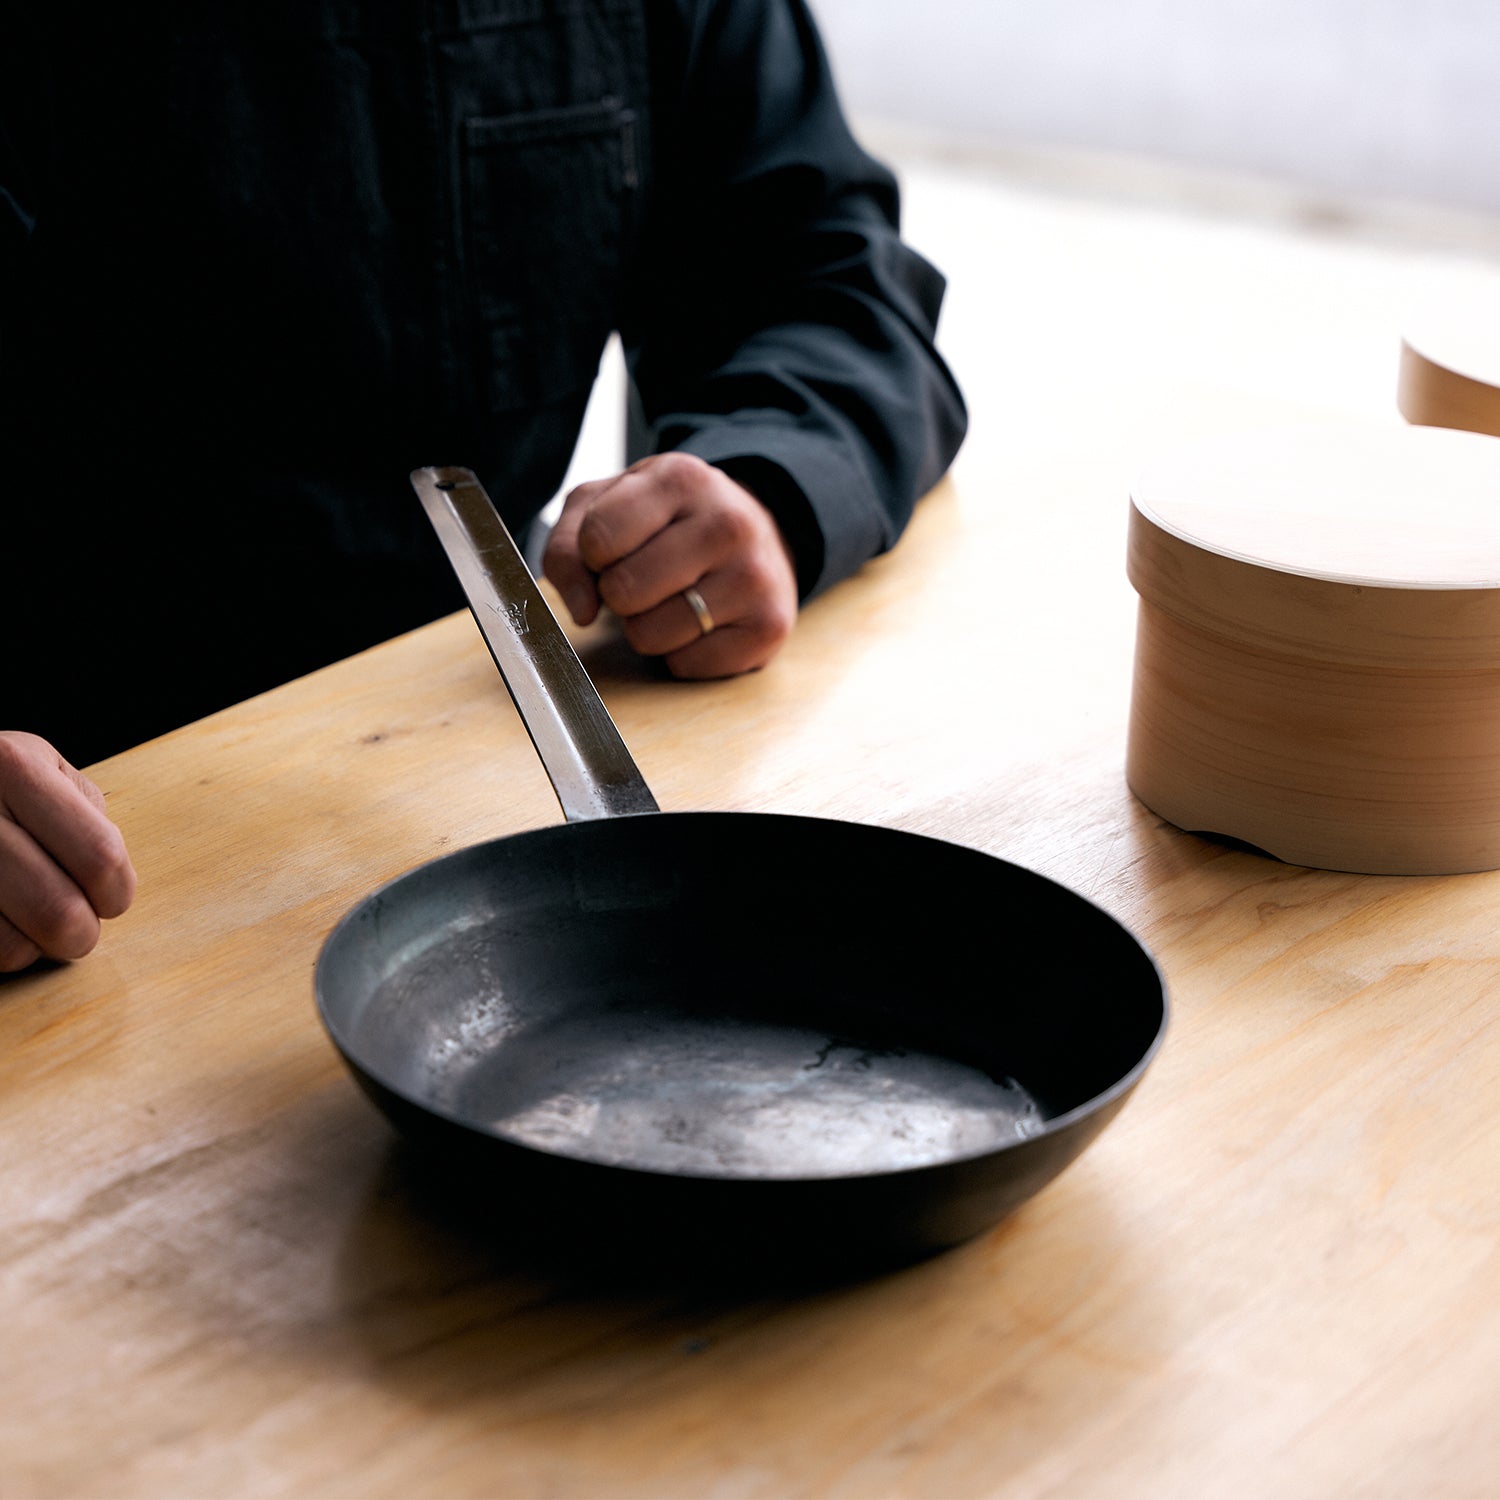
(591, 770)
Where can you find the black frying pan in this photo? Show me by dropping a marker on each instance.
(740, 1034)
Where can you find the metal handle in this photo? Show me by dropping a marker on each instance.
(581, 750)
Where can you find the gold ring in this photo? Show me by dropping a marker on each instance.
(700, 609)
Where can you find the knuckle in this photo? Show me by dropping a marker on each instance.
(782, 613)
(557, 562)
(105, 871)
(679, 471)
(15, 756)
(760, 646)
(642, 637)
(17, 952)
(580, 494)
(682, 664)
(597, 544)
(64, 926)
(731, 529)
(619, 588)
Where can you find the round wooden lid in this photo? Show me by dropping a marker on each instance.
(1365, 504)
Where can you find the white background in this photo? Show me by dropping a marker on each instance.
(1390, 98)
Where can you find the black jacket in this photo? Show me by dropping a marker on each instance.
(261, 258)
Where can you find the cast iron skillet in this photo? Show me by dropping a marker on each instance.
(745, 1036)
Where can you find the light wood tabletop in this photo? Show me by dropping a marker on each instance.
(1277, 1273)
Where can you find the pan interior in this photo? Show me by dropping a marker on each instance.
(635, 1081)
(846, 1001)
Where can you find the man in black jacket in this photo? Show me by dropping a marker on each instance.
(260, 259)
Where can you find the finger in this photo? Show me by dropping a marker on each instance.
(752, 617)
(82, 841)
(62, 812)
(674, 623)
(749, 627)
(562, 563)
(725, 652)
(39, 901)
(17, 951)
(695, 543)
(91, 792)
(638, 504)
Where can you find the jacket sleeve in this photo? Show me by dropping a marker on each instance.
(782, 330)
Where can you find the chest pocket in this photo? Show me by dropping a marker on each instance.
(549, 202)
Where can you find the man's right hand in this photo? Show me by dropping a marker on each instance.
(63, 864)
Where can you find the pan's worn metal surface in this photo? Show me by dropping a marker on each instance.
(852, 1046)
(581, 750)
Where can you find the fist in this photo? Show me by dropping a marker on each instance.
(63, 864)
(693, 565)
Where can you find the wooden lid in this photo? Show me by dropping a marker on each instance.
(1372, 544)
(1384, 506)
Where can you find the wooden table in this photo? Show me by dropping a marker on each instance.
(1276, 1274)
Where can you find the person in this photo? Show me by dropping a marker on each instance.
(260, 260)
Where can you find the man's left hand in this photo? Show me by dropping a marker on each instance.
(669, 527)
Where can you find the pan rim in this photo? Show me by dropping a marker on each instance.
(1053, 1127)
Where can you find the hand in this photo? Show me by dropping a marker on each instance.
(63, 864)
(669, 523)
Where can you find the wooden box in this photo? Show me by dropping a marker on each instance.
(1317, 668)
